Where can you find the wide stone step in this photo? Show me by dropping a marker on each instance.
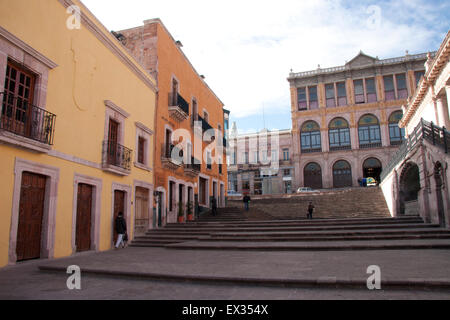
(295, 222)
(300, 227)
(409, 244)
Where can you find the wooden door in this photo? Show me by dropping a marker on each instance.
(342, 175)
(31, 212)
(17, 100)
(84, 218)
(142, 211)
(313, 176)
(119, 206)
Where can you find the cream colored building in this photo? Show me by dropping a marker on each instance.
(416, 180)
(76, 132)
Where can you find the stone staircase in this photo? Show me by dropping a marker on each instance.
(336, 203)
(229, 231)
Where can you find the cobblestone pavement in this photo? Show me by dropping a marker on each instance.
(25, 281)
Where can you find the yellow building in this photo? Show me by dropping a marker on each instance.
(76, 132)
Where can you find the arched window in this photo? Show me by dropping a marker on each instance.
(342, 174)
(369, 132)
(396, 134)
(339, 134)
(310, 137)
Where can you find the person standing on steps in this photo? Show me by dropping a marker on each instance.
(214, 206)
(121, 229)
(246, 201)
(310, 210)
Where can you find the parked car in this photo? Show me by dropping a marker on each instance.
(371, 182)
(305, 189)
(232, 193)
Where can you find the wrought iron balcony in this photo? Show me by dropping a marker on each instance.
(370, 145)
(116, 155)
(339, 148)
(425, 130)
(178, 107)
(193, 168)
(22, 118)
(205, 125)
(311, 150)
(166, 156)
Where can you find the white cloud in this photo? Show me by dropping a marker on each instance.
(247, 48)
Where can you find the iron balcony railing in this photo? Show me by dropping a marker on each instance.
(425, 130)
(22, 118)
(116, 155)
(175, 99)
(167, 149)
(339, 148)
(205, 125)
(370, 145)
(194, 165)
(311, 150)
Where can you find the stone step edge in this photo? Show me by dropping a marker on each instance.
(187, 246)
(302, 282)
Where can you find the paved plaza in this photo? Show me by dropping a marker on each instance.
(162, 274)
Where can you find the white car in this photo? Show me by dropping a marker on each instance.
(234, 193)
(305, 189)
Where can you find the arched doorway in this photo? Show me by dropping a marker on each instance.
(409, 189)
(313, 176)
(439, 200)
(372, 168)
(342, 174)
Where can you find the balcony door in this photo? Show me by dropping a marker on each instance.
(17, 100)
(113, 137)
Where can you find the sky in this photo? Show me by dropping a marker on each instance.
(247, 48)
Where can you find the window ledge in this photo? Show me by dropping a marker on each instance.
(22, 142)
(142, 166)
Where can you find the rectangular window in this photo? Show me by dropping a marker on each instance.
(389, 91)
(402, 91)
(274, 156)
(371, 90)
(331, 95)
(301, 93)
(285, 154)
(141, 150)
(342, 94)
(418, 75)
(359, 91)
(246, 157)
(313, 103)
(208, 160)
(287, 172)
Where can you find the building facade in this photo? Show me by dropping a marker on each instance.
(189, 125)
(416, 180)
(345, 118)
(260, 163)
(76, 132)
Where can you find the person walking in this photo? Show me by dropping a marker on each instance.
(246, 201)
(121, 229)
(214, 206)
(310, 210)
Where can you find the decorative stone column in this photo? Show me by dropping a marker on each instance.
(443, 113)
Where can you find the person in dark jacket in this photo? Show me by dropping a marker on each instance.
(214, 206)
(310, 210)
(246, 201)
(121, 229)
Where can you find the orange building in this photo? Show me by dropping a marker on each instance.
(188, 170)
